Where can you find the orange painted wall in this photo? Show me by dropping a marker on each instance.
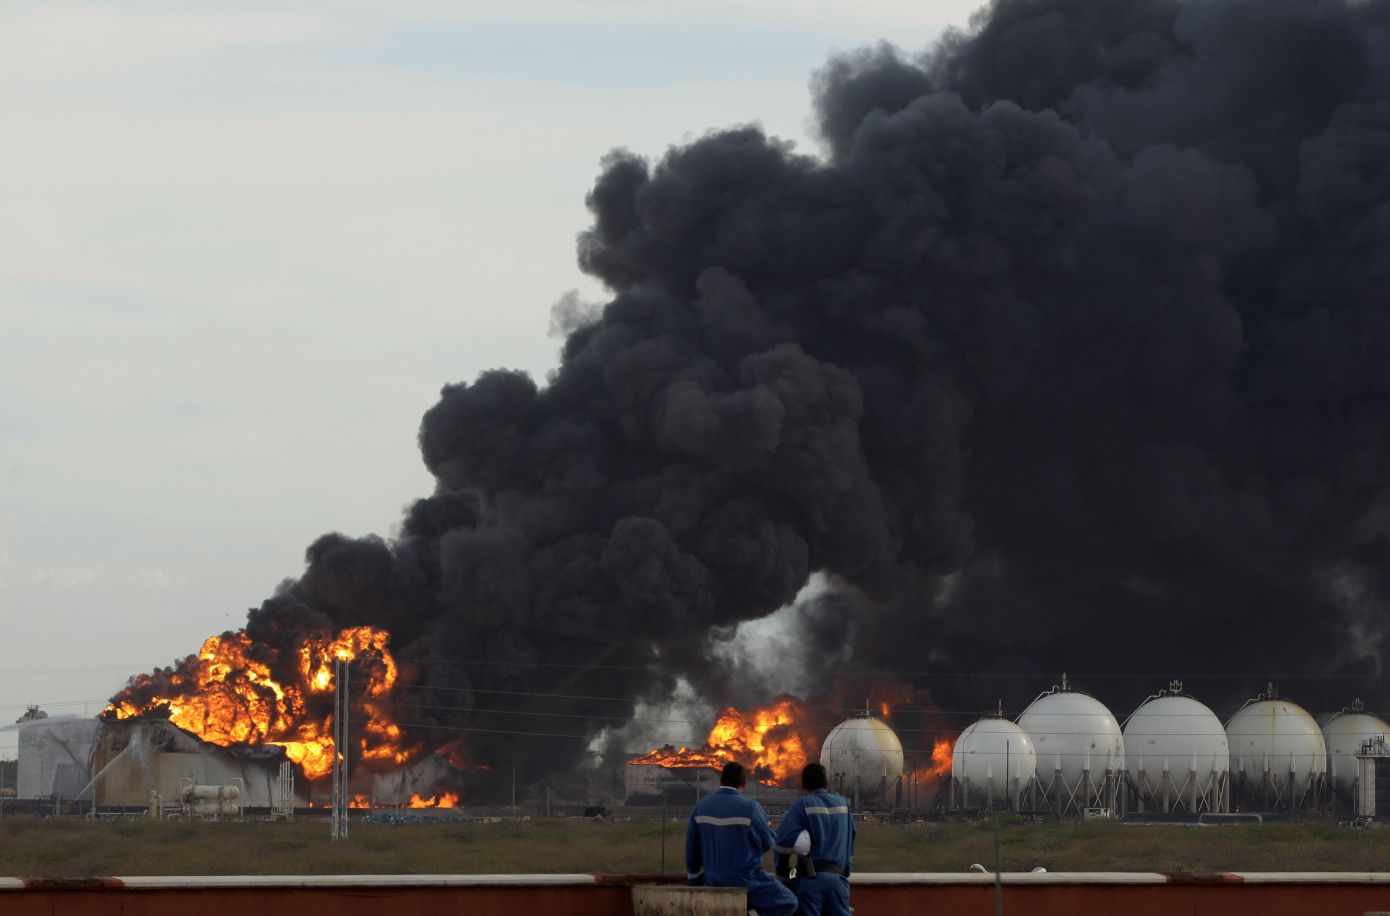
(614, 899)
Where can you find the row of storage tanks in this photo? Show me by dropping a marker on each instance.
(1175, 750)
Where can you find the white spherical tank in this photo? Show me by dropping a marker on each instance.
(1181, 737)
(1075, 733)
(992, 758)
(863, 756)
(1343, 736)
(1280, 737)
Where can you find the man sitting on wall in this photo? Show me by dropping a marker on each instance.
(725, 842)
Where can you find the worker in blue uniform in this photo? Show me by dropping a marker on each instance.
(725, 842)
(819, 829)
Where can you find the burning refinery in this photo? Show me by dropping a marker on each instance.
(258, 731)
(257, 721)
(263, 722)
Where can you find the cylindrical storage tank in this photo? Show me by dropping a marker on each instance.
(1343, 735)
(1077, 739)
(863, 758)
(1278, 738)
(1177, 754)
(991, 762)
(213, 807)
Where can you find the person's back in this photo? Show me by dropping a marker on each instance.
(728, 856)
(725, 841)
(820, 830)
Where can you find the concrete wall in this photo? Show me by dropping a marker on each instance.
(1054, 894)
(673, 900)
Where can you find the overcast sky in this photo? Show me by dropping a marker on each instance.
(243, 245)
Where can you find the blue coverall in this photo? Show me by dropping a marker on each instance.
(825, 816)
(724, 846)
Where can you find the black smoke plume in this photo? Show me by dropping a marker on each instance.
(1070, 352)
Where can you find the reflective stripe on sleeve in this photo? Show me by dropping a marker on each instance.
(724, 821)
(838, 809)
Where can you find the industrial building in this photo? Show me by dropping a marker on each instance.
(652, 784)
(150, 764)
(139, 762)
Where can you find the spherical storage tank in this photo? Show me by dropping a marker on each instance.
(1075, 733)
(863, 756)
(992, 758)
(1279, 737)
(1343, 736)
(1179, 736)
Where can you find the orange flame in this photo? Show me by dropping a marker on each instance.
(359, 801)
(227, 695)
(769, 740)
(446, 800)
(885, 696)
(940, 760)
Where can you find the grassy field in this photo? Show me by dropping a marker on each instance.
(72, 848)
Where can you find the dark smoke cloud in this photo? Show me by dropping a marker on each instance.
(1073, 352)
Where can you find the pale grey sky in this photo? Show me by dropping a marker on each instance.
(243, 245)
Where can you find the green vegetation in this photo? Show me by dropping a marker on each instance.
(75, 847)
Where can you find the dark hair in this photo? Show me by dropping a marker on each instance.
(733, 776)
(813, 777)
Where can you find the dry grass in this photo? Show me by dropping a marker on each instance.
(74, 848)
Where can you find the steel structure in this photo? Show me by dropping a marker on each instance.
(993, 763)
(341, 707)
(1177, 754)
(864, 758)
(1278, 755)
(1345, 733)
(1081, 752)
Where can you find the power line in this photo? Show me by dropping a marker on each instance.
(850, 672)
(875, 672)
(1043, 756)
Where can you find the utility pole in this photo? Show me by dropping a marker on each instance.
(998, 878)
(340, 748)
